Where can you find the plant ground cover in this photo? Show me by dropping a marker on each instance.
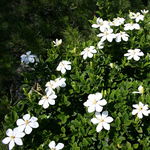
(106, 71)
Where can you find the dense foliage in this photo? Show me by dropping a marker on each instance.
(33, 26)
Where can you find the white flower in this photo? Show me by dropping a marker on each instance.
(61, 82)
(95, 102)
(14, 137)
(107, 35)
(28, 58)
(131, 26)
(27, 123)
(57, 42)
(48, 100)
(140, 90)
(122, 35)
(63, 66)
(102, 25)
(140, 110)
(135, 54)
(52, 145)
(144, 11)
(137, 16)
(100, 45)
(102, 120)
(117, 21)
(88, 52)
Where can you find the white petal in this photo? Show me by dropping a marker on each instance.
(94, 120)
(68, 67)
(102, 102)
(26, 117)
(59, 146)
(146, 113)
(18, 141)
(20, 122)
(34, 124)
(28, 129)
(52, 102)
(91, 108)
(104, 114)
(33, 119)
(41, 102)
(106, 126)
(11, 144)
(52, 144)
(95, 25)
(20, 134)
(45, 105)
(140, 115)
(135, 111)
(99, 127)
(109, 119)
(99, 108)
(21, 128)
(9, 132)
(136, 58)
(63, 70)
(6, 140)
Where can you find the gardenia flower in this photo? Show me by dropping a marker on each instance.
(102, 120)
(140, 110)
(137, 16)
(131, 26)
(28, 58)
(57, 42)
(117, 21)
(122, 35)
(107, 35)
(14, 137)
(63, 66)
(52, 145)
(95, 102)
(88, 52)
(140, 90)
(102, 25)
(144, 11)
(48, 100)
(100, 45)
(135, 54)
(60, 82)
(27, 123)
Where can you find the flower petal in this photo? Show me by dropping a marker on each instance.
(59, 146)
(52, 144)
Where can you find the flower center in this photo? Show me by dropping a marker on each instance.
(94, 101)
(12, 137)
(27, 122)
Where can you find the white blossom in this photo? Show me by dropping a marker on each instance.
(57, 42)
(27, 123)
(131, 26)
(101, 24)
(63, 66)
(144, 11)
(140, 110)
(102, 120)
(95, 102)
(14, 137)
(137, 16)
(100, 45)
(52, 145)
(121, 36)
(140, 90)
(48, 100)
(88, 52)
(117, 21)
(135, 54)
(61, 82)
(29, 58)
(107, 35)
